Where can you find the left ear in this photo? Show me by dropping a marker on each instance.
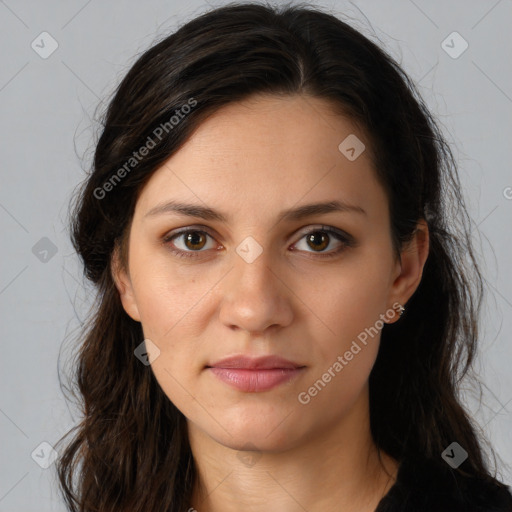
(410, 267)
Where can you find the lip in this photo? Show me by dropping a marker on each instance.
(254, 375)
(256, 363)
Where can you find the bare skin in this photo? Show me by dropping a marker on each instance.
(250, 161)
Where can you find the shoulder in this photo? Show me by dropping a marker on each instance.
(429, 486)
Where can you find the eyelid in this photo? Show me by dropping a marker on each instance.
(329, 229)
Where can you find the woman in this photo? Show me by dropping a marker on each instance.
(284, 312)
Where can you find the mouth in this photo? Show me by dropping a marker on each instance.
(254, 375)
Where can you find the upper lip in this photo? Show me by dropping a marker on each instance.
(255, 363)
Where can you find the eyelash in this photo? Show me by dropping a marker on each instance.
(346, 239)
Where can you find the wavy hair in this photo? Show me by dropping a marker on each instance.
(130, 451)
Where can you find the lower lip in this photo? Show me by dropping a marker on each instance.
(253, 381)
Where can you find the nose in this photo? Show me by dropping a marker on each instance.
(255, 296)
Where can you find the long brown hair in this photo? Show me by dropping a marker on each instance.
(130, 452)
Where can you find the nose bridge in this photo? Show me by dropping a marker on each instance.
(253, 264)
(253, 298)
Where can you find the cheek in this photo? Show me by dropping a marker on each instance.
(173, 308)
(165, 295)
(169, 306)
(346, 354)
(350, 305)
(349, 301)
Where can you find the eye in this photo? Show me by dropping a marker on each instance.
(320, 239)
(188, 242)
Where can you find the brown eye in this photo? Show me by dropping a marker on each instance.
(194, 240)
(318, 240)
(189, 242)
(325, 242)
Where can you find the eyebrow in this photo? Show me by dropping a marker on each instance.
(292, 214)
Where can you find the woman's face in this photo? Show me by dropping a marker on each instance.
(260, 283)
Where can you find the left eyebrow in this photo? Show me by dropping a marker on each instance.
(309, 210)
(292, 214)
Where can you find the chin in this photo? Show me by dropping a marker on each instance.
(261, 432)
(250, 441)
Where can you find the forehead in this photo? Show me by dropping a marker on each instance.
(268, 153)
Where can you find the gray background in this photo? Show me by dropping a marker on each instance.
(47, 137)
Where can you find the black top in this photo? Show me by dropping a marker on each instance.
(433, 486)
